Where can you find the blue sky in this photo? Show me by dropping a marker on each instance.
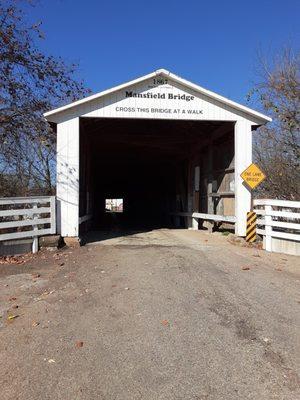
(212, 43)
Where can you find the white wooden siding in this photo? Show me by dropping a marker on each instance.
(160, 76)
(108, 106)
(242, 159)
(68, 177)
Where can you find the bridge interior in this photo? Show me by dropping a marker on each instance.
(156, 167)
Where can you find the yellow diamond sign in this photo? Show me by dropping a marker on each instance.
(253, 176)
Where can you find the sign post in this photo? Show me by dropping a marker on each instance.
(252, 176)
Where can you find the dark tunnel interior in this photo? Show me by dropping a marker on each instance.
(143, 162)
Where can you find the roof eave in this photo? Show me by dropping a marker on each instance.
(261, 117)
(218, 97)
(101, 94)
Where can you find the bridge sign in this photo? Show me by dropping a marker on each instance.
(253, 176)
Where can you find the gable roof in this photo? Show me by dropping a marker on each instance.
(175, 78)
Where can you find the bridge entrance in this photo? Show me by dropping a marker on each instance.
(157, 167)
(162, 144)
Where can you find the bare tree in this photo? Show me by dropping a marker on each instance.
(277, 145)
(31, 82)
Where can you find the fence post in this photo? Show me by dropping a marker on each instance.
(35, 243)
(195, 224)
(268, 227)
(53, 214)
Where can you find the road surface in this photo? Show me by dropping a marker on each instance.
(157, 315)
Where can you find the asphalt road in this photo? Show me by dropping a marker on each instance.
(155, 316)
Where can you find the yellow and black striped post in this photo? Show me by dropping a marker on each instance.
(251, 226)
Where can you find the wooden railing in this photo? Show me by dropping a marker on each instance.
(279, 219)
(194, 217)
(207, 217)
(27, 217)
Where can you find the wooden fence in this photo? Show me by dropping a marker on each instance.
(278, 219)
(27, 217)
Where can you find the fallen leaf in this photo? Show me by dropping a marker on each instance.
(46, 293)
(79, 344)
(12, 298)
(245, 268)
(12, 260)
(278, 269)
(165, 322)
(11, 317)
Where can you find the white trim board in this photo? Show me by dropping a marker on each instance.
(56, 114)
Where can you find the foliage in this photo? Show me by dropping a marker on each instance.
(277, 145)
(31, 82)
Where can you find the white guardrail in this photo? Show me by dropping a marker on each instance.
(278, 219)
(208, 217)
(27, 217)
(194, 218)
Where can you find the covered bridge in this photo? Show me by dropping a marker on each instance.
(159, 144)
